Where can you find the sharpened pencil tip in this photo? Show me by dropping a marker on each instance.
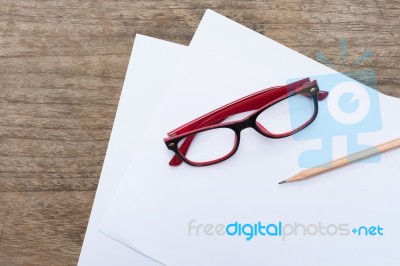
(282, 182)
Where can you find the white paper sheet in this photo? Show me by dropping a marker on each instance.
(151, 64)
(156, 202)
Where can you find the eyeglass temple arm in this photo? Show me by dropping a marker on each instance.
(248, 103)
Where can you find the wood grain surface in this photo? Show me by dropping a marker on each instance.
(62, 65)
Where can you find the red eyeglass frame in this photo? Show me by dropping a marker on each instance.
(258, 101)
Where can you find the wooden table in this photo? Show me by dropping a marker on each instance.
(62, 65)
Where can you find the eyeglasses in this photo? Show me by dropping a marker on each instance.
(277, 112)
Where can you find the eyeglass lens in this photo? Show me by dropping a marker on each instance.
(286, 115)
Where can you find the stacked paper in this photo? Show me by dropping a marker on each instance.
(149, 213)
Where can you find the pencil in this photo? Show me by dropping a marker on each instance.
(387, 146)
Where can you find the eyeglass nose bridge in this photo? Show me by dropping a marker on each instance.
(244, 124)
